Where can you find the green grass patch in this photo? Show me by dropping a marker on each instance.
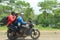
(36, 26)
(3, 28)
(45, 28)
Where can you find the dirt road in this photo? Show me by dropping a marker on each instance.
(45, 35)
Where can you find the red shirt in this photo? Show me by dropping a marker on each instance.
(11, 18)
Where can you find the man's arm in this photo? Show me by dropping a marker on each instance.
(23, 22)
(10, 20)
(13, 18)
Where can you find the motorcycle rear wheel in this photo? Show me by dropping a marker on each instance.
(10, 37)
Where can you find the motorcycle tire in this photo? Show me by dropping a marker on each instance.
(10, 37)
(34, 33)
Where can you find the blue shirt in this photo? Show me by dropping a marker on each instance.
(20, 20)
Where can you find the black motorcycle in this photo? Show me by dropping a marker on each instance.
(24, 32)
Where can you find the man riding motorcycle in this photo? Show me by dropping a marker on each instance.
(20, 22)
(20, 19)
(11, 19)
(16, 23)
(22, 30)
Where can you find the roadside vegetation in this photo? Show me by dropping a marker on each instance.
(49, 19)
(4, 28)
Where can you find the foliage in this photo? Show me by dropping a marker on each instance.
(19, 6)
(50, 9)
(47, 18)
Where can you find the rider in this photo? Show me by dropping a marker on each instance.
(15, 21)
(11, 19)
(20, 20)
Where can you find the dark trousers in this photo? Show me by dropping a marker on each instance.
(12, 27)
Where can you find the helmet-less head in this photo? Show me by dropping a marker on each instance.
(22, 14)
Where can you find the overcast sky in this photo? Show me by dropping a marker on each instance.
(34, 3)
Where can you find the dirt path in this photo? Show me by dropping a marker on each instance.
(45, 35)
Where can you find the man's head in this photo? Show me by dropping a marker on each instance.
(22, 14)
(16, 14)
(12, 13)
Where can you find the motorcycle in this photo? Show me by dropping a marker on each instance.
(31, 31)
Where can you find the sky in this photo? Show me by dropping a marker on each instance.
(34, 5)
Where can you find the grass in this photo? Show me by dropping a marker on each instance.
(36, 26)
(3, 28)
(46, 28)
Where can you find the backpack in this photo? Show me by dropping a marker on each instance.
(5, 20)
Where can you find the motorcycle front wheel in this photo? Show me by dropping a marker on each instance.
(35, 34)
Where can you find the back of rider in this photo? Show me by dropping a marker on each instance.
(10, 24)
(11, 18)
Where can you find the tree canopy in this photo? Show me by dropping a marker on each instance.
(50, 9)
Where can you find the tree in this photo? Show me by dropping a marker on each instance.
(21, 5)
(0, 0)
(29, 13)
(47, 5)
(57, 17)
(47, 18)
(25, 7)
